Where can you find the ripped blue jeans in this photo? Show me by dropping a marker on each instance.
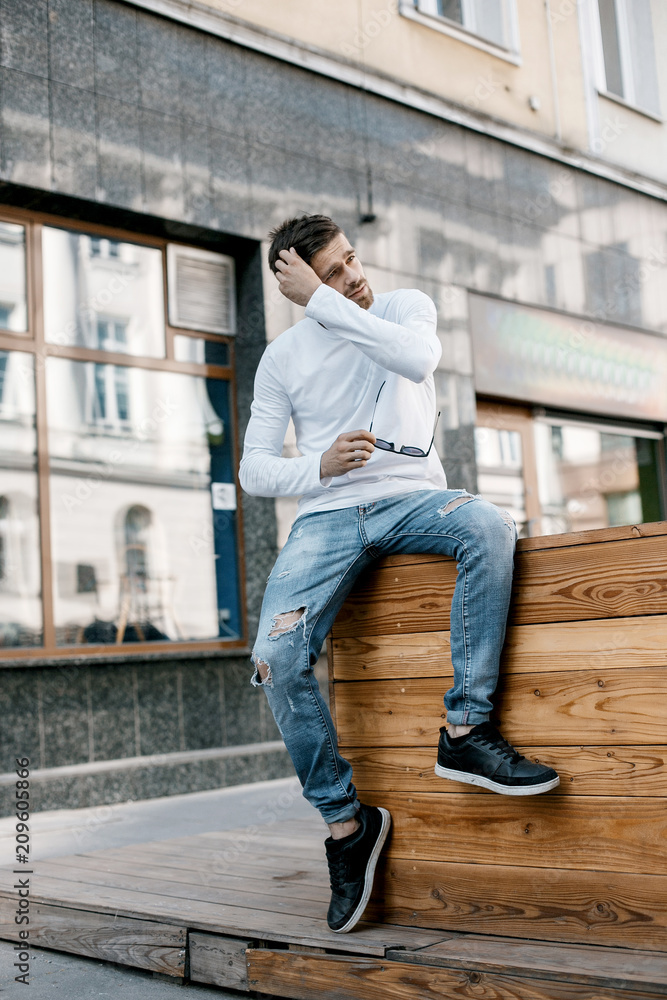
(313, 575)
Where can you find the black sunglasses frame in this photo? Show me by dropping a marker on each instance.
(407, 449)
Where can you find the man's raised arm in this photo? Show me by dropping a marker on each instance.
(410, 348)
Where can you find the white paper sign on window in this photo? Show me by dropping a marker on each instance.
(223, 496)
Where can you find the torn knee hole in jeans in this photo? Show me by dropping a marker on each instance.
(456, 502)
(262, 673)
(287, 621)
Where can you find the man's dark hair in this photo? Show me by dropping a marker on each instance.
(308, 234)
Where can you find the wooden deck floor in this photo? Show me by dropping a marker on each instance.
(245, 909)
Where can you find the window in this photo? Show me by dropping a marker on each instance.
(595, 476)
(492, 20)
(136, 446)
(13, 305)
(559, 473)
(628, 65)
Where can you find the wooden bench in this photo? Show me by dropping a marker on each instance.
(583, 688)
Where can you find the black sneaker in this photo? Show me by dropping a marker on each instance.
(485, 758)
(352, 862)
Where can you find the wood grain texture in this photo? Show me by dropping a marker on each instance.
(651, 529)
(598, 707)
(626, 968)
(303, 976)
(602, 580)
(625, 577)
(611, 644)
(546, 904)
(578, 832)
(143, 944)
(391, 600)
(220, 961)
(584, 770)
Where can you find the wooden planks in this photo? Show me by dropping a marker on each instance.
(599, 580)
(303, 977)
(583, 688)
(584, 770)
(622, 578)
(144, 944)
(611, 644)
(551, 904)
(608, 707)
(612, 967)
(268, 883)
(220, 961)
(390, 600)
(540, 831)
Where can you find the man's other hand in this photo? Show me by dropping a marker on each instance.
(349, 451)
(297, 279)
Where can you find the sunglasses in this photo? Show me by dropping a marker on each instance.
(406, 449)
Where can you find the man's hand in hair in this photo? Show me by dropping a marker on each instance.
(297, 279)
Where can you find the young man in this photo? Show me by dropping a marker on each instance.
(358, 366)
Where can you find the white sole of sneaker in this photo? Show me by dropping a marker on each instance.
(370, 874)
(494, 786)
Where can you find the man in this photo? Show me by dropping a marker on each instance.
(356, 363)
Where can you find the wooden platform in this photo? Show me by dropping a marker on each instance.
(583, 688)
(246, 909)
(561, 896)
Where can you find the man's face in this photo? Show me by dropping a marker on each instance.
(338, 266)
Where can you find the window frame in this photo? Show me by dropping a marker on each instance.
(628, 99)
(32, 341)
(510, 52)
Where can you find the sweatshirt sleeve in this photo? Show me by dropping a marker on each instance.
(263, 471)
(410, 348)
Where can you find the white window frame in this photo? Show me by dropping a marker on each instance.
(627, 73)
(426, 12)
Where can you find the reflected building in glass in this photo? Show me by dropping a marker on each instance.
(509, 159)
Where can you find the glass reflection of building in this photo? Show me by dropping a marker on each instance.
(130, 461)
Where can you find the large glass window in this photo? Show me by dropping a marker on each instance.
(135, 507)
(13, 305)
(20, 582)
(557, 474)
(626, 33)
(595, 477)
(119, 431)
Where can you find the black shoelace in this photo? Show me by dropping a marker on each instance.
(337, 871)
(499, 743)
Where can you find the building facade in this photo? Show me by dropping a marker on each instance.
(506, 156)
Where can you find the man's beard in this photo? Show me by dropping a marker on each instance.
(366, 300)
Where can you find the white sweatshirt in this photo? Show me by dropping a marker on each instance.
(325, 373)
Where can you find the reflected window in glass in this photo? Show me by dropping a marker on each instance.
(20, 571)
(103, 294)
(589, 477)
(13, 302)
(146, 498)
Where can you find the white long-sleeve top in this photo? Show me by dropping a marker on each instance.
(325, 372)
